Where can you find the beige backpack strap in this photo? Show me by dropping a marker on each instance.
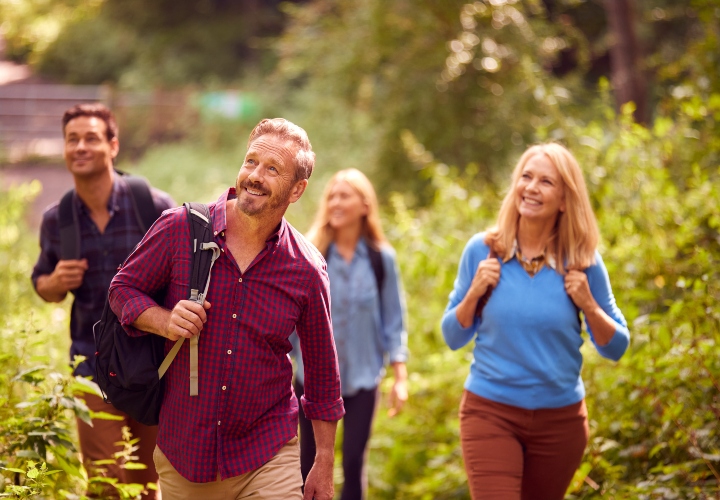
(200, 298)
(170, 357)
(194, 365)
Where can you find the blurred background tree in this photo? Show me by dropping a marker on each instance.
(139, 44)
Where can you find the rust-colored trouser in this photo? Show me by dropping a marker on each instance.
(98, 443)
(511, 453)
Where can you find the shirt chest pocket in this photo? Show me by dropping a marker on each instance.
(179, 287)
(367, 293)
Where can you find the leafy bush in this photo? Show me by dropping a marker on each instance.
(90, 52)
(654, 414)
(655, 192)
(38, 394)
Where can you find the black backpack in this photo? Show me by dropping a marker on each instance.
(129, 370)
(146, 213)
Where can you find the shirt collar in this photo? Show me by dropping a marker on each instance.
(549, 258)
(220, 217)
(361, 249)
(119, 187)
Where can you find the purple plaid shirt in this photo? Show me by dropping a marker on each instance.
(104, 253)
(246, 409)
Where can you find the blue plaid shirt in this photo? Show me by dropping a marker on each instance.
(104, 252)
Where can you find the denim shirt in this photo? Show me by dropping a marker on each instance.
(368, 327)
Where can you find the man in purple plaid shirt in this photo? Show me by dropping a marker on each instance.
(237, 438)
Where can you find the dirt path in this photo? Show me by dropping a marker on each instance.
(55, 180)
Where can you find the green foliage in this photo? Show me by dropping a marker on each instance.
(463, 76)
(35, 385)
(86, 53)
(38, 393)
(654, 414)
(656, 193)
(36, 477)
(416, 455)
(394, 88)
(382, 61)
(138, 44)
(30, 26)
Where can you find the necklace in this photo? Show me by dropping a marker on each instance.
(531, 266)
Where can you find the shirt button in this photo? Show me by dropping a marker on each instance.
(218, 422)
(216, 235)
(229, 351)
(240, 280)
(234, 315)
(224, 387)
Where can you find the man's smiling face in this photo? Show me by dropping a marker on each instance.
(267, 178)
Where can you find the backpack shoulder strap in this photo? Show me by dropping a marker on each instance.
(204, 253)
(376, 263)
(69, 227)
(145, 211)
(486, 296)
(201, 238)
(377, 266)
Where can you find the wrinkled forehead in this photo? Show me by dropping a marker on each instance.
(274, 145)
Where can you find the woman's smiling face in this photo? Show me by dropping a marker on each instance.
(540, 190)
(345, 206)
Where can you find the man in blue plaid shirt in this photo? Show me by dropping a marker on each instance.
(108, 228)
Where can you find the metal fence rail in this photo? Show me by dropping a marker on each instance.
(30, 116)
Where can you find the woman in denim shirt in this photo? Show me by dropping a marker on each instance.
(368, 318)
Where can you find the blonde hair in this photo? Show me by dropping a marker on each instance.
(321, 234)
(575, 237)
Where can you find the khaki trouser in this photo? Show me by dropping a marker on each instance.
(279, 478)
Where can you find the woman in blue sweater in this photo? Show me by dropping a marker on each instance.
(367, 310)
(519, 292)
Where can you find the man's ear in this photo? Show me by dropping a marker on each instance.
(114, 147)
(297, 190)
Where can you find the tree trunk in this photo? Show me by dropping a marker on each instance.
(628, 80)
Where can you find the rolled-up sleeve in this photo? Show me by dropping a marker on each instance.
(322, 399)
(145, 273)
(599, 282)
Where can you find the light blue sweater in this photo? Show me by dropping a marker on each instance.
(527, 343)
(368, 327)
